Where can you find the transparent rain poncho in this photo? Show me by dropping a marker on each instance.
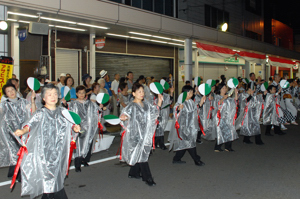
(139, 131)
(38, 99)
(12, 116)
(163, 116)
(224, 120)
(45, 166)
(188, 127)
(89, 114)
(271, 110)
(123, 99)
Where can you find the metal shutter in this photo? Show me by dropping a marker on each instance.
(214, 71)
(139, 65)
(67, 62)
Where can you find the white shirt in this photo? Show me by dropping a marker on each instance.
(115, 86)
(59, 86)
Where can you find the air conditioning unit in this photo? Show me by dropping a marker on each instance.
(38, 28)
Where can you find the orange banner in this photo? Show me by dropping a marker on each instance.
(6, 71)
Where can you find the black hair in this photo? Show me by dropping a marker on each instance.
(9, 81)
(7, 85)
(186, 88)
(122, 79)
(122, 86)
(270, 88)
(187, 82)
(66, 80)
(136, 86)
(152, 77)
(80, 88)
(219, 87)
(48, 87)
(223, 78)
(129, 72)
(251, 74)
(270, 79)
(94, 85)
(217, 81)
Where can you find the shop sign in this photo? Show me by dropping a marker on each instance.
(22, 34)
(100, 43)
(6, 70)
(231, 59)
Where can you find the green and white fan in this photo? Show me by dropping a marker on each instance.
(156, 88)
(67, 94)
(74, 118)
(246, 81)
(182, 97)
(284, 83)
(102, 98)
(232, 83)
(164, 84)
(264, 86)
(33, 83)
(112, 119)
(211, 82)
(204, 89)
(168, 105)
(197, 81)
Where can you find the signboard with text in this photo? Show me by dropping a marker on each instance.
(6, 71)
(100, 43)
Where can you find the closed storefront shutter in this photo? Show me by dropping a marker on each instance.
(214, 71)
(67, 62)
(139, 65)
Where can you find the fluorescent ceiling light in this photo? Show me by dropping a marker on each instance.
(58, 20)
(137, 33)
(159, 37)
(116, 35)
(70, 28)
(94, 26)
(163, 42)
(178, 40)
(12, 20)
(21, 21)
(175, 44)
(21, 14)
(194, 43)
(139, 38)
(51, 25)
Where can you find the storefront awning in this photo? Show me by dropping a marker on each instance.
(275, 61)
(221, 52)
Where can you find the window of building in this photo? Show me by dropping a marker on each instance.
(253, 35)
(3, 45)
(254, 6)
(215, 17)
(117, 1)
(148, 5)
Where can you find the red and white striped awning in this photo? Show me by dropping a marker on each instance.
(222, 52)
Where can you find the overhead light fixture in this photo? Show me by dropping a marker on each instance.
(70, 28)
(178, 40)
(223, 27)
(193, 42)
(58, 20)
(22, 14)
(139, 38)
(93, 26)
(175, 44)
(3, 25)
(116, 35)
(159, 37)
(12, 20)
(157, 41)
(51, 25)
(21, 21)
(137, 33)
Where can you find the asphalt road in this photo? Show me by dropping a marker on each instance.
(252, 171)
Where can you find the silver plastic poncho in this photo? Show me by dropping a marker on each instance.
(189, 127)
(270, 115)
(89, 114)
(12, 116)
(210, 109)
(163, 116)
(123, 99)
(38, 99)
(45, 166)
(225, 125)
(149, 96)
(139, 131)
(242, 103)
(250, 118)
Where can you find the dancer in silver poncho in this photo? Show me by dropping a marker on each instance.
(163, 120)
(185, 127)
(14, 112)
(248, 120)
(139, 122)
(271, 112)
(90, 115)
(45, 165)
(123, 96)
(225, 118)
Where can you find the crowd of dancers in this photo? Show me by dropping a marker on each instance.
(37, 142)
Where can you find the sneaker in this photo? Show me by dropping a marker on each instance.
(272, 128)
(283, 128)
(294, 123)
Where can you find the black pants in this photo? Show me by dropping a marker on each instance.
(192, 152)
(57, 195)
(199, 135)
(11, 170)
(227, 145)
(257, 138)
(81, 159)
(141, 168)
(160, 142)
(276, 129)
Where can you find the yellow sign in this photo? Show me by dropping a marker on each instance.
(6, 71)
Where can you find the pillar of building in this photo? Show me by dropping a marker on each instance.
(188, 60)
(92, 67)
(15, 48)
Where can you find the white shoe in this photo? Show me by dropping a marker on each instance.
(283, 128)
(294, 123)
